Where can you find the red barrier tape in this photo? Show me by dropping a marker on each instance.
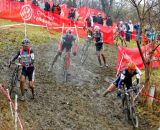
(147, 95)
(13, 105)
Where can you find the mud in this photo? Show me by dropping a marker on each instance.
(77, 104)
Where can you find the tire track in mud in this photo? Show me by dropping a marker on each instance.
(77, 104)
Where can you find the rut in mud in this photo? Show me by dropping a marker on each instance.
(77, 104)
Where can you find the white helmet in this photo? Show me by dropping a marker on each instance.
(96, 28)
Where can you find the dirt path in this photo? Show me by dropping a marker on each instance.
(77, 104)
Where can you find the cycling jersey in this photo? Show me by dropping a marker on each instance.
(27, 60)
(26, 57)
(126, 78)
(67, 41)
(98, 38)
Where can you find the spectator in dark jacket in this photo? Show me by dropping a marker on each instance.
(53, 8)
(94, 17)
(47, 6)
(35, 2)
(109, 21)
(99, 19)
(137, 28)
(57, 9)
(71, 14)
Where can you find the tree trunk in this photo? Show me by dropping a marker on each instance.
(104, 6)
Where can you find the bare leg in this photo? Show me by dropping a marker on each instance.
(103, 57)
(99, 59)
(56, 57)
(54, 60)
(31, 86)
(110, 89)
(22, 84)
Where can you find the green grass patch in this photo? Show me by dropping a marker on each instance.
(15, 35)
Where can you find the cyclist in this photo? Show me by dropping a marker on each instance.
(89, 25)
(67, 41)
(26, 58)
(124, 78)
(99, 46)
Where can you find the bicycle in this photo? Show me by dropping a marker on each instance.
(15, 79)
(66, 65)
(117, 37)
(85, 48)
(129, 106)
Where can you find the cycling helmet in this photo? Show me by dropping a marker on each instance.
(96, 28)
(131, 66)
(25, 41)
(69, 31)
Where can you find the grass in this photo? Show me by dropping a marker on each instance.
(15, 35)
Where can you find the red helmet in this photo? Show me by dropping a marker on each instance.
(131, 66)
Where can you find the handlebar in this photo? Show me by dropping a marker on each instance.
(15, 63)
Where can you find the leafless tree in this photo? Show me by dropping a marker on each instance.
(107, 6)
(147, 10)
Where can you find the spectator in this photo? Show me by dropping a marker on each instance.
(57, 9)
(130, 29)
(76, 15)
(35, 2)
(137, 28)
(53, 8)
(89, 22)
(152, 35)
(127, 32)
(41, 4)
(47, 6)
(94, 17)
(122, 29)
(109, 21)
(71, 14)
(99, 19)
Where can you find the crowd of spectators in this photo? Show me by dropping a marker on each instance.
(45, 5)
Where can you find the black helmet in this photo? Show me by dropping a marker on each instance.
(25, 41)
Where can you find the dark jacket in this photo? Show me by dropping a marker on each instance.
(47, 6)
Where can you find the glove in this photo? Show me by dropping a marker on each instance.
(119, 94)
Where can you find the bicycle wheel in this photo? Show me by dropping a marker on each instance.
(84, 53)
(125, 107)
(134, 116)
(66, 66)
(14, 82)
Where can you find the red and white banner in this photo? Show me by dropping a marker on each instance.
(132, 54)
(18, 11)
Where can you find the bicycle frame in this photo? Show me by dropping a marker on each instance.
(85, 48)
(15, 77)
(129, 106)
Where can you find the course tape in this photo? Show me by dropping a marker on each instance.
(147, 95)
(13, 105)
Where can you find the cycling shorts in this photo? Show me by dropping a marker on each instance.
(28, 72)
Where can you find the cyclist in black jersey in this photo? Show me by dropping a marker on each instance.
(125, 78)
(97, 35)
(67, 42)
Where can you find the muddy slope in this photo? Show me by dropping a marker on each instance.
(77, 104)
